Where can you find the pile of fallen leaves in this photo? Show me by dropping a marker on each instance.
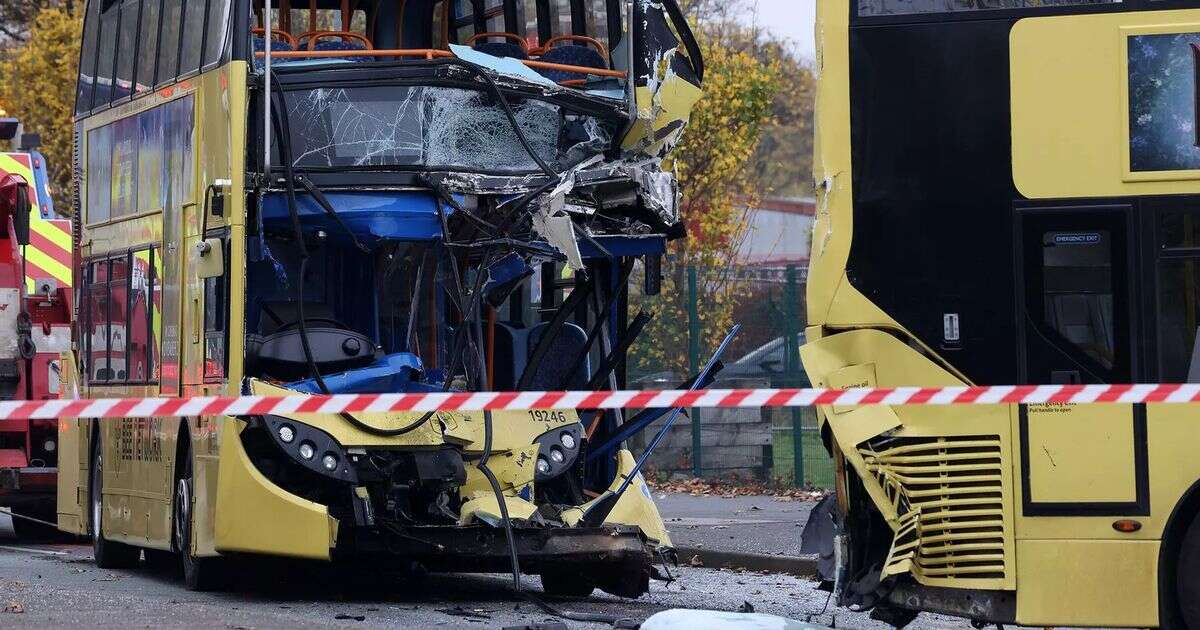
(735, 487)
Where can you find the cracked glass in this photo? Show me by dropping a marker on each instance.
(435, 128)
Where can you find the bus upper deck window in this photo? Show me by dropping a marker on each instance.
(908, 7)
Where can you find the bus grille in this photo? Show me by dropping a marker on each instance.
(949, 495)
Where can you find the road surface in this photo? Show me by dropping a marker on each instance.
(56, 584)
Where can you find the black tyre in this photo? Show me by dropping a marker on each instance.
(109, 554)
(199, 574)
(564, 582)
(1187, 576)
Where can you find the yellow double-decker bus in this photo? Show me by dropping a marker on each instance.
(1007, 194)
(369, 197)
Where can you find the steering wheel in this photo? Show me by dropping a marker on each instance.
(514, 37)
(327, 320)
(591, 41)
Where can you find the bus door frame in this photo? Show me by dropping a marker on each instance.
(1053, 425)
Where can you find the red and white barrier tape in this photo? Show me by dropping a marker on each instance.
(508, 401)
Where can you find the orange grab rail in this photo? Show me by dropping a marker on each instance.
(430, 53)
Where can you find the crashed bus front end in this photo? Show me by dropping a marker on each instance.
(459, 222)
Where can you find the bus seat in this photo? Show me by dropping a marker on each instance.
(340, 40)
(565, 347)
(593, 55)
(515, 344)
(509, 355)
(512, 45)
(277, 45)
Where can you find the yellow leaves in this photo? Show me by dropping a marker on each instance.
(37, 85)
(716, 172)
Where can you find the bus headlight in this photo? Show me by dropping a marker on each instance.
(309, 447)
(558, 451)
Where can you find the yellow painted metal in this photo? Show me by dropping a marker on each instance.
(515, 470)
(248, 504)
(664, 107)
(1070, 126)
(1070, 120)
(1087, 583)
(635, 507)
(138, 498)
(925, 468)
(514, 430)
(71, 489)
(1066, 441)
(483, 506)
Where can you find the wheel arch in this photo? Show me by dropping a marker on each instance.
(1184, 512)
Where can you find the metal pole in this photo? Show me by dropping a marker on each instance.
(694, 363)
(791, 362)
(269, 36)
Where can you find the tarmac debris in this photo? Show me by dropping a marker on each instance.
(746, 607)
(696, 561)
(345, 617)
(459, 611)
(14, 607)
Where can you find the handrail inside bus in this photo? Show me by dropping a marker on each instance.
(432, 53)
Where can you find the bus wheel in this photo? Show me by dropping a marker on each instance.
(109, 554)
(1187, 575)
(199, 574)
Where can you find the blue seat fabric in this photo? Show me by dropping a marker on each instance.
(571, 55)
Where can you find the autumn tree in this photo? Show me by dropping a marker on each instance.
(37, 85)
(749, 138)
(717, 180)
(17, 16)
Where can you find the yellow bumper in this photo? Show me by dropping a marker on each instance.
(255, 516)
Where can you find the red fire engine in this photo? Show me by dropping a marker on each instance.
(35, 316)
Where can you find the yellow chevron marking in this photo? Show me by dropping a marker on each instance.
(53, 233)
(9, 164)
(57, 270)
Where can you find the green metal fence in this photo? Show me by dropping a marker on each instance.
(778, 445)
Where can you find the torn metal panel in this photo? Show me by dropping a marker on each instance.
(559, 230)
(668, 74)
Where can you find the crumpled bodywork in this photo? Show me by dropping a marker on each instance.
(420, 239)
(940, 486)
(666, 83)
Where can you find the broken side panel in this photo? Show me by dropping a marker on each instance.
(668, 75)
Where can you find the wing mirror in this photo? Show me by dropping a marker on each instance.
(209, 258)
(21, 215)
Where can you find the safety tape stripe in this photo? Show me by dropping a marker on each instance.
(517, 401)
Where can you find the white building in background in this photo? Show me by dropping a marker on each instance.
(779, 234)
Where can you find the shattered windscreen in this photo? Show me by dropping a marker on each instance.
(437, 128)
